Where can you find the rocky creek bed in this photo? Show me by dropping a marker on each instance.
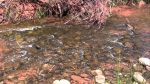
(48, 53)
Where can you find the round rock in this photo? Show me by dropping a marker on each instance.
(139, 78)
(144, 61)
(62, 81)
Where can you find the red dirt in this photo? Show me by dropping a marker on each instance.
(125, 11)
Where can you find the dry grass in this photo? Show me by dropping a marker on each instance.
(82, 11)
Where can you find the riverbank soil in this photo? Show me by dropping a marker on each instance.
(48, 53)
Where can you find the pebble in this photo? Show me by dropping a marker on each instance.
(99, 78)
(62, 81)
(139, 78)
(144, 61)
(135, 82)
(11, 76)
(56, 82)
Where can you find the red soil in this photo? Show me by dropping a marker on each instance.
(125, 11)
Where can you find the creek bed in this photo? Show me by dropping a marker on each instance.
(42, 53)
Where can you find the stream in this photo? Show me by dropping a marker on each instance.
(53, 51)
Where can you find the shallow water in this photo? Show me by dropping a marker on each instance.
(72, 49)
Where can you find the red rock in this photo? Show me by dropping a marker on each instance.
(25, 74)
(79, 79)
(84, 75)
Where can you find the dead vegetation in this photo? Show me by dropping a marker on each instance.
(82, 11)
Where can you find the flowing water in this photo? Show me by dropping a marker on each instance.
(71, 49)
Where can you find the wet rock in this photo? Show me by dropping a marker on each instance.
(144, 61)
(99, 78)
(139, 78)
(62, 81)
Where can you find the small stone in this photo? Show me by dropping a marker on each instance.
(56, 82)
(45, 66)
(62, 81)
(144, 61)
(100, 79)
(48, 67)
(139, 78)
(135, 83)
(11, 76)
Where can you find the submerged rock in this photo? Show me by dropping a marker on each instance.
(139, 78)
(144, 61)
